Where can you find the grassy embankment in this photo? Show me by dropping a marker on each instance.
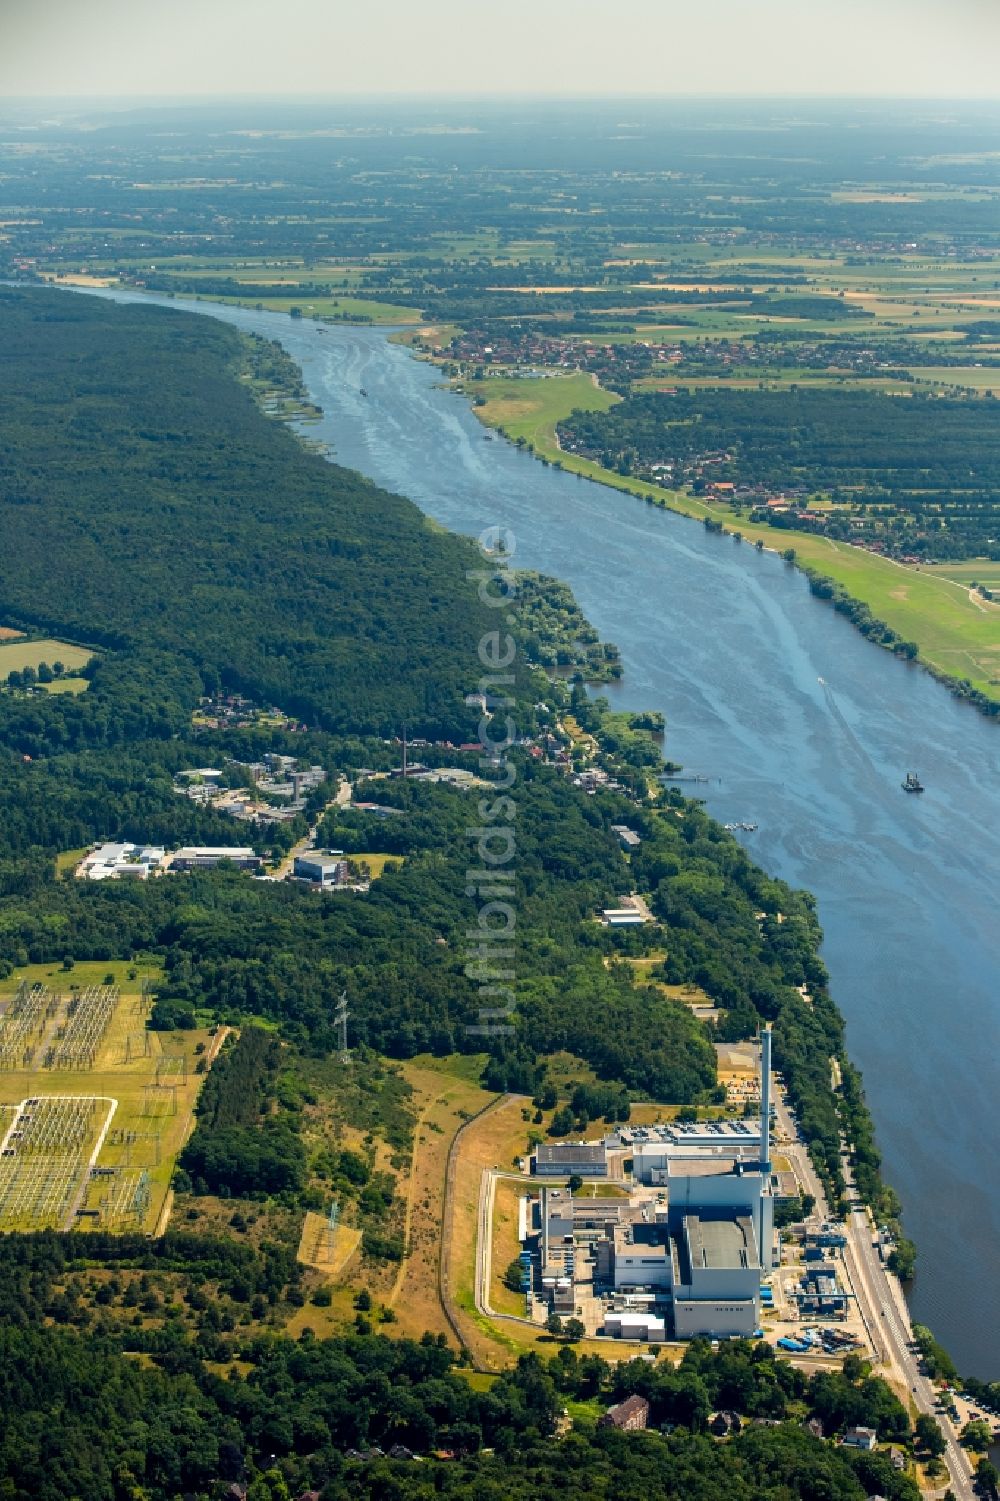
(446, 1093)
(492, 1140)
(957, 636)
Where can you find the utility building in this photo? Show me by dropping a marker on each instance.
(564, 1158)
(206, 857)
(691, 1245)
(322, 870)
(718, 1287)
(641, 1256)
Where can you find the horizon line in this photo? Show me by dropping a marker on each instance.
(517, 96)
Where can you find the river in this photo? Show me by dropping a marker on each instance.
(809, 729)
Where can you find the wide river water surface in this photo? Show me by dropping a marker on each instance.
(808, 729)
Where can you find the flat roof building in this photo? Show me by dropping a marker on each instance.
(564, 1158)
(622, 917)
(717, 1275)
(114, 862)
(720, 1243)
(322, 870)
(204, 857)
(647, 1326)
(627, 838)
(642, 1256)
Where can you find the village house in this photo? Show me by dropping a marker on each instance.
(630, 1415)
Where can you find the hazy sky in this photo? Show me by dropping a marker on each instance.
(168, 47)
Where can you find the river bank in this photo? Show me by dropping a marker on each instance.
(954, 640)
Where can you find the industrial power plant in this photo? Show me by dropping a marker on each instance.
(682, 1251)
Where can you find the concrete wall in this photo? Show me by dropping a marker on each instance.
(713, 1318)
(690, 1192)
(633, 1269)
(717, 1283)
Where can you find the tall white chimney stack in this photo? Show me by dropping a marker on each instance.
(765, 1096)
(765, 1222)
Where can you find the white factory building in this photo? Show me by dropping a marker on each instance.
(716, 1164)
(117, 862)
(326, 870)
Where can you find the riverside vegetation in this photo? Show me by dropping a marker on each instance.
(195, 545)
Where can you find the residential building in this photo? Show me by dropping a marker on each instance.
(860, 1438)
(631, 1415)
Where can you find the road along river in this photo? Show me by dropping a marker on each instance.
(809, 730)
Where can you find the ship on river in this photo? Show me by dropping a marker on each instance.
(912, 783)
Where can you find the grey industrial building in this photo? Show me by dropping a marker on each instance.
(205, 857)
(322, 869)
(564, 1158)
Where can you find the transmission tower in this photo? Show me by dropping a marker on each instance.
(137, 1045)
(331, 1229)
(340, 1020)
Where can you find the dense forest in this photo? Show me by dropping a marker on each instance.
(210, 1406)
(101, 765)
(149, 510)
(350, 1416)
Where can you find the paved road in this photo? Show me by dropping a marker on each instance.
(70, 1221)
(308, 841)
(885, 1295)
(880, 1302)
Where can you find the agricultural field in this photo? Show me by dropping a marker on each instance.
(970, 574)
(330, 309)
(377, 864)
(15, 656)
(968, 377)
(95, 1106)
